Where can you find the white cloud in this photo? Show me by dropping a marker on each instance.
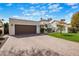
(22, 17)
(27, 14)
(9, 4)
(71, 4)
(1, 17)
(43, 7)
(47, 15)
(15, 16)
(43, 12)
(21, 8)
(38, 6)
(34, 13)
(74, 7)
(60, 8)
(68, 16)
(32, 7)
(49, 4)
(55, 7)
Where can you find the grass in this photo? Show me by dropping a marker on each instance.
(68, 36)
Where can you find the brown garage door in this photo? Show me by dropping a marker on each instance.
(25, 29)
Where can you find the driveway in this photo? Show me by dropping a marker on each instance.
(60, 46)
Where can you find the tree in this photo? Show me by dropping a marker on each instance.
(49, 19)
(6, 28)
(60, 27)
(75, 20)
(0, 32)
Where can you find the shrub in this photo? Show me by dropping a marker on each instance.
(72, 30)
(0, 32)
(69, 29)
(49, 30)
(42, 30)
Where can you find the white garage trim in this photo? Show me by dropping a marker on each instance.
(13, 22)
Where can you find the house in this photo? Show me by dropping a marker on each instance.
(44, 25)
(21, 26)
(1, 27)
(54, 25)
(44, 22)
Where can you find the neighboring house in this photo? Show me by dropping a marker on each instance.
(44, 22)
(1, 27)
(19, 26)
(44, 25)
(53, 24)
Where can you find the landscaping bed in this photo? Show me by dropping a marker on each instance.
(68, 36)
(2, 41)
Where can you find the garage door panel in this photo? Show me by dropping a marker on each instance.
(25, 29)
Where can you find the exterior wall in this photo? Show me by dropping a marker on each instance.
(54, 27)
(43, 23)
(12, 23)
(23, 22)
(12, 29)
(2, 27)
(66, 29)
(38, 29)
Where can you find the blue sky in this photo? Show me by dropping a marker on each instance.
(34, 11)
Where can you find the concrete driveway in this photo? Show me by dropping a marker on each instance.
(60, 46)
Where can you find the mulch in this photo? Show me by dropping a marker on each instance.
(2, 41)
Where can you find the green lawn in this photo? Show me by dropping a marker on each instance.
(67, 36)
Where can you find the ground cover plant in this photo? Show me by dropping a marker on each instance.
(68, 36)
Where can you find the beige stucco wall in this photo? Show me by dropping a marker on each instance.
(2, 27)
(13, 21)
(54, 25)
(0, 24)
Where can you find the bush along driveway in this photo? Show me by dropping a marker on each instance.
(68, 36)
(2, 41)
